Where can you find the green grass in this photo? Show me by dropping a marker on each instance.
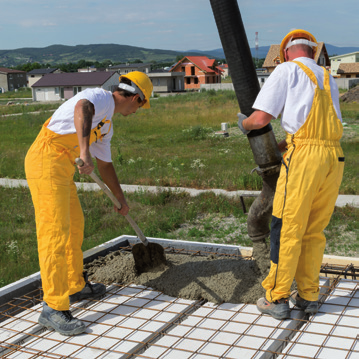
(157, 216)
(172, 144)
(343, 232)
(23, 92)
(26, 108)
(205, 218)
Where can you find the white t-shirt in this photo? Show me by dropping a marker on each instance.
(290, 92)
(62, 121)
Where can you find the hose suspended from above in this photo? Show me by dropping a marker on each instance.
(263, 143)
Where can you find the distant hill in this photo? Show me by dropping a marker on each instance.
(57, 54)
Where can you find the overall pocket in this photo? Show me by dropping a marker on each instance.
(34, 163)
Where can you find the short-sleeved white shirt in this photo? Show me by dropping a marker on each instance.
(62, 121)
(289, 92)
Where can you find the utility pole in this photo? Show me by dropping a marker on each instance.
(256, 43)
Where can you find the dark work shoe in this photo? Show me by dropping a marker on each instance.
(310, 307)
(90, 291)
(278, 309)
(61, 321)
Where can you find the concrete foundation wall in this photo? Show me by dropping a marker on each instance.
(225, 86)
(346, 83)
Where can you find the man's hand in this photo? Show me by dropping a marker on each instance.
(87, 166)
(124, 207)
(241, 118)
(282, 146)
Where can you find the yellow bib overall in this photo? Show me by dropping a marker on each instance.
(305, 197)
(49, 167)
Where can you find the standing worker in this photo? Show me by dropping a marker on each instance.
(81, 127)
(307, 98)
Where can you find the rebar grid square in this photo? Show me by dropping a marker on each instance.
(333, 331)
(139, 322)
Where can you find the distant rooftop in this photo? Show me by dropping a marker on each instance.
(11, 71)
(74, 79)
(42, 71)
(121, 66)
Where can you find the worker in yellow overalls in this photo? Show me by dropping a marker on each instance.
(307, 98)
(81, 127)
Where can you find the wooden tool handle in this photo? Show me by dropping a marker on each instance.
(115, 201)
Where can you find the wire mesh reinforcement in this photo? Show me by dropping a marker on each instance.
(135, 321)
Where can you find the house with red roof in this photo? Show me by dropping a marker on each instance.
(198, 70)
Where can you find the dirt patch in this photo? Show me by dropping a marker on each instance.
(351, 96)
(214, 278)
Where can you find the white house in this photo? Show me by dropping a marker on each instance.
(164, 81)
(36, 74)
(124, 69)
(337, 61)
(55, 87)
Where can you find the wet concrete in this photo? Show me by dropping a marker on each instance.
(214, 278)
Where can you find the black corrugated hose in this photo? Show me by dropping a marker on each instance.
(263, 143)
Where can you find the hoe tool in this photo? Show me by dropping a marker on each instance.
(147, 255)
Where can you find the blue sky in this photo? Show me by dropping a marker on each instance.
(172, 24)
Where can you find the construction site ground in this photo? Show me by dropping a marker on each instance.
(138, 321)
(135, 321)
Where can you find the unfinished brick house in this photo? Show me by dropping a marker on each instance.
(198, 70)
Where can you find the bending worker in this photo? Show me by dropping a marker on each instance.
(307, 98)
(81, 127)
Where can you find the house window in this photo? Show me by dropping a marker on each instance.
(188, 80)
(183, 69)
(57, 90)
(77, 89)
(192, 70)
(196, 80)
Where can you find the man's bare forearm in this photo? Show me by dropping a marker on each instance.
(83, 114)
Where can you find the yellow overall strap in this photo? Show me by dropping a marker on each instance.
(326, 82)
(308, 72)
